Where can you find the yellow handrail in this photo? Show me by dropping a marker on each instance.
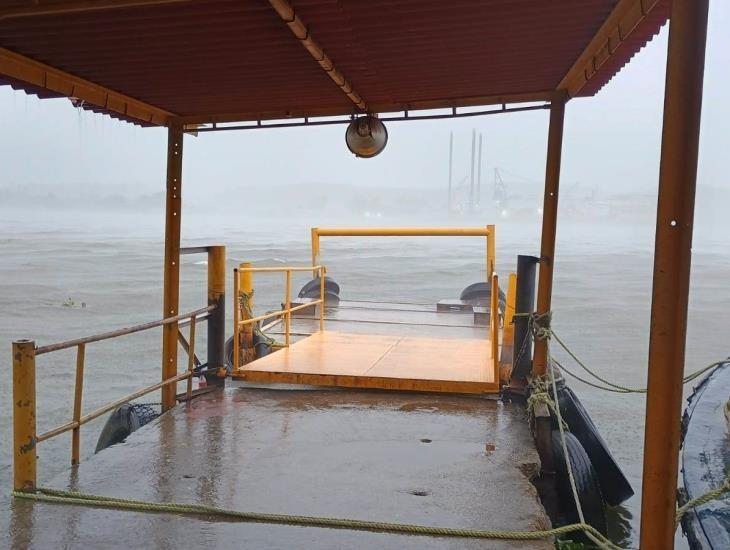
(494, 324)
(25, 437)
(247, 290)
(487, 231)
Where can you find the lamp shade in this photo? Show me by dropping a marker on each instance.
(366, 136)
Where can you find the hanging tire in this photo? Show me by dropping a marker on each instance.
(311, 289)
(261, 345)
(124, 420)
(615, 487)
(481, 294)
(586, 482)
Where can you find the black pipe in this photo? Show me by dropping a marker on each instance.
(525, 303)
(217, 317)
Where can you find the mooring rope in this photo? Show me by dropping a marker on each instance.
(543, 331)
(244, 301)
(703, 499)
(72, 497)
(541, 328)
(562, 427)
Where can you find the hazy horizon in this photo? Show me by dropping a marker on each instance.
(611, 141)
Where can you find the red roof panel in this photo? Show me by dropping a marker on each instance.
(224, 57)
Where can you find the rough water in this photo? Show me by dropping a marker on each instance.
(65, 277)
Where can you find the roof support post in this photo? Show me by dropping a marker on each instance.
(672, 257)
(549, 223)
(171, 298)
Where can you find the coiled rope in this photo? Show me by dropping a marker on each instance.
(72, 497)
(244, 301)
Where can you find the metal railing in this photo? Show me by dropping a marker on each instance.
(488, 232)
(243, 318)
(24, 392)
(25, 436)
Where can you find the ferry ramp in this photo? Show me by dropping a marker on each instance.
(392, 346)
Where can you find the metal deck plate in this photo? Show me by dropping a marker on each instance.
(415, 363)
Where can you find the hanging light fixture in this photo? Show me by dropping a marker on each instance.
(366, 136)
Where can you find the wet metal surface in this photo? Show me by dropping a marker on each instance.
(395, 319)
(706, 460)
(442, 460)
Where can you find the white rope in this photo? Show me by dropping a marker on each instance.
(569, 466)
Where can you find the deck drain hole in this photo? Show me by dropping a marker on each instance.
(420, 493)
(425, 440)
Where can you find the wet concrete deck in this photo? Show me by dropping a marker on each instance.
(444, 460)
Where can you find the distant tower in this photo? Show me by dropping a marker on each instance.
(451, 165)
(479, 173)
(471, 185)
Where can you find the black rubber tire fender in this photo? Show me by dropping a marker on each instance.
(330, 286)
(124, 420)
(482, 292)
(615, 487)
(330, 298)
(261, 345)
(586, 482)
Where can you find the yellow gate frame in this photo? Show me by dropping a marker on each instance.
(485, 231)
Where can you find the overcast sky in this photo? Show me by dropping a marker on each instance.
(611, 140)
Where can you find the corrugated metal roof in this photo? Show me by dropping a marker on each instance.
(224, 59)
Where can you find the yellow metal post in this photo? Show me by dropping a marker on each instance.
(315, 249)
(236, 321)
(24, 416)
(509, 310)
(246, 290)
(672, 259)
(171, 291)
(78, 395)
(217, 317)
(494, 324)
(191, 360)
(506, 358)
(491, 252)
(549, 222)
(322, 274)
(287, 307)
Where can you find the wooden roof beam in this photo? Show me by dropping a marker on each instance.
(45, 77)
(40, 7)
(301, 32)
(617, 27)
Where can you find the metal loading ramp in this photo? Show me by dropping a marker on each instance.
(389, 362)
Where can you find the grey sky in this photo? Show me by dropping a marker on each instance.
(611, 141)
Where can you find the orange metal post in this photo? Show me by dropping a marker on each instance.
(322, 274)
(494, 324)
(78, 395)
(246, 287)
(191, 360)
(315, 250)
(172, 260)
(549, 222)
(672, 256)
(491, 252)
(24, 426)
(287, 307)
(236, 321)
